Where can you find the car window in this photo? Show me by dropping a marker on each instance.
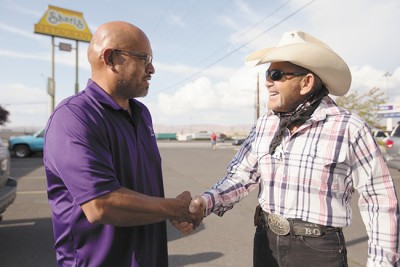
(380, 134)
(396, 132)
(40, 133)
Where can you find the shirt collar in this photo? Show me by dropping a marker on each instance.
(95, 91)
(327, 107)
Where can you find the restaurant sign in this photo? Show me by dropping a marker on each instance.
(64, 23)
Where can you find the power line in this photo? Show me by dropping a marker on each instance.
(186, 13)
(205, 29)
(157, 25)
(245, 32)
(237, 38)
(238, 48)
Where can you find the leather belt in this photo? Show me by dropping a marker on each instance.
(296, 227)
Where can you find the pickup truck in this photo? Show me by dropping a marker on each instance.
(8, 186)
(25, 145)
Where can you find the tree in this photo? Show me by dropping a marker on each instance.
(3, 115)
(365, 105)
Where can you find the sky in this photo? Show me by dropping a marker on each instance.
(199, 50)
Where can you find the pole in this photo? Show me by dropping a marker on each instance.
(258, 97)
(53, 84)
(76, 68)
(389, 121)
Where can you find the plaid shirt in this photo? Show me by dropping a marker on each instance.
(313, 174)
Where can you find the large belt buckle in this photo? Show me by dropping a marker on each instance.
(278, 224)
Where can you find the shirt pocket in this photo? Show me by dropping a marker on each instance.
(326, 171)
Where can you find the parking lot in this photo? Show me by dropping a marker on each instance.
(26, 231)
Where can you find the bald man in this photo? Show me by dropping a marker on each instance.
(102, 162)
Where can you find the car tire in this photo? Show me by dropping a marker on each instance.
(21, 151)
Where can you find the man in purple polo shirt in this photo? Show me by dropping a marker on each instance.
(102, 162)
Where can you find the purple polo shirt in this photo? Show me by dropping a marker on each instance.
(92, 147)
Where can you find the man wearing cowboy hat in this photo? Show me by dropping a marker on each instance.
(307, 156)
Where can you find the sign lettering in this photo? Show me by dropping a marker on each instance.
(56, 18)
(64, 23)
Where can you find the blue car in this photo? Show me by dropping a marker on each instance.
(25, 145)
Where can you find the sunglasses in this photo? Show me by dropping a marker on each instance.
(277, 75)
(147, 58)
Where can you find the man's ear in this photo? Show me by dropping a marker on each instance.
(108, 56)
(307, 84)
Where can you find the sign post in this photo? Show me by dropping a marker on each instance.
(388, 112)
(76, 68)
(64, 23)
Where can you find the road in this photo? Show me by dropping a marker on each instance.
(26, 231)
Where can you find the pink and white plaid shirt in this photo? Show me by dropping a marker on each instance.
(313, 174)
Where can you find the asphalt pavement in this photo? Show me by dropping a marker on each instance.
(228, 240)
(26, 232)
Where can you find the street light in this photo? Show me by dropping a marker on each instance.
(389, 121)
(387, 75)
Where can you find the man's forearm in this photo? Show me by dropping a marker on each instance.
(124, 207)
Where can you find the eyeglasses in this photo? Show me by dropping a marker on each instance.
(147, 58)
(277, 75)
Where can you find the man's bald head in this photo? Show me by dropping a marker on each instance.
(114, 69)
(117, 35)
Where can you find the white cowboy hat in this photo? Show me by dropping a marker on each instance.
(304, 50)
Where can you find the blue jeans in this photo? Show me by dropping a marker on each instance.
(328, 250)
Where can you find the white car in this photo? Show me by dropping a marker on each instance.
(8, 186)
(379, 134)
(392, 145)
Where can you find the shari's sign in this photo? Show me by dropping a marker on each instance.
(64, 23)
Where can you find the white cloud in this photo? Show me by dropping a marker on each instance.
(69, 58)
(182, 74)
(17, 31)
(20, 8)
(65, 58)
(231, 100)
(28, 106)
(364, 33)
(201, 101)
(24, 55)
(367, 77)
(176, 20)
(243, 7)
(199, 95)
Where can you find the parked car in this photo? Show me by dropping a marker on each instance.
(25, 145)
(237, 142)
(392, 145)
(221, 138)
(380, 135)
(8, 186)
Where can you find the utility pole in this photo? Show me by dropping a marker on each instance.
(257, 105)
(389, 121)
(387, 75)
(51, 90)
(76, 68)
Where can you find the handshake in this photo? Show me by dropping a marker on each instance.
(190, 212)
